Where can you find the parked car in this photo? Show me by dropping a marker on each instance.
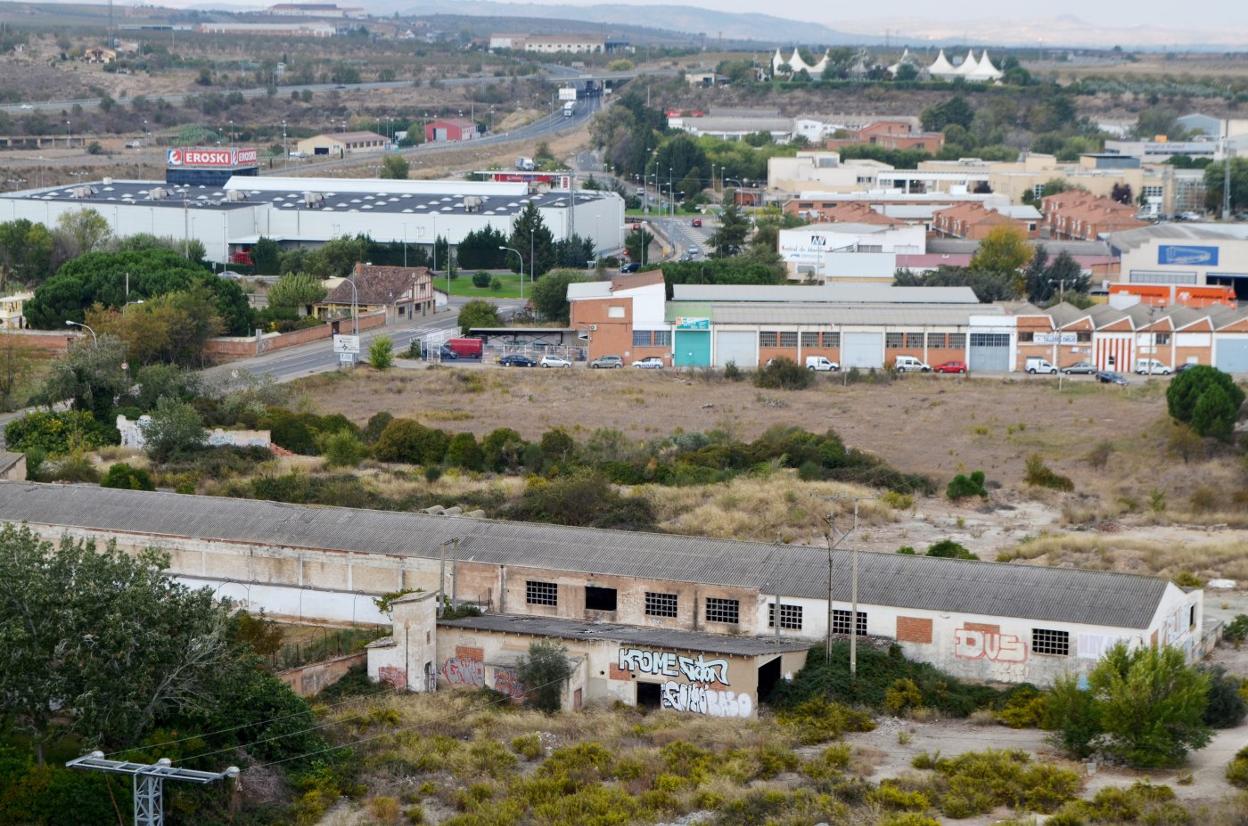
(1038, 365)
(697, 222)
(607, 363)
(1110, 377)
(517, 360)
(821, 364)
(950, 367)
(1152, 367)
(554, 361)
(1188, 365)
(447, 354)
(649, 363)
(909, 364)
(1079, 368)
(631, 266)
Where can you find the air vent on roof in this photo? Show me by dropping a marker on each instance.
(472, 204)
(157, 194)
(108, 182)
(235, 195)
(84, 191)
(313, 200)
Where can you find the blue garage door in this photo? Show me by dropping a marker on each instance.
(1232, 355)
(693, 348)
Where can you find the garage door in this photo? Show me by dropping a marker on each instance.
(738, 347)
(990, 353)
(693, 348)
(1232, 355)
(862, 350)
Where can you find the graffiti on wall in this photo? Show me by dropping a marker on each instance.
(506, 681)
(699, 699)
(976, 644)
(667, 664)
(392, 675)
(463, 671)
(703, 689)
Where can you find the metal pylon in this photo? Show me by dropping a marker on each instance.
(149, 780)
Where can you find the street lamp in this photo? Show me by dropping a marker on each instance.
(521, 257)
(94, 339)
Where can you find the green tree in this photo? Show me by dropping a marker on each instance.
(381, 353)
(174, 430)
(1073, 717)
(543, 673)
(89, 376)
(501, 449)
(395, 166)
(479, 249)
(464, 452)
(1152, 705)
(266, 256)
(296, 290)
(127, 477)
(955, 110)
(172, 328)
(1003, 250)
(681, 156)
(533, 240)
(636, 241)
(26, 253)
(343, 448)
(116, 645)
(729, 238)
(550, 294)
(58, 433)
(406, 440)
(478, 313)
(81, 231)
(1215, 178)
(1206, 399)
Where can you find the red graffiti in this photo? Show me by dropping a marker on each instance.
(506, 682)
(461, 671)
(392, 675)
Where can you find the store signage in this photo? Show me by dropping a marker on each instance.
(1185, 255)
(212, 158)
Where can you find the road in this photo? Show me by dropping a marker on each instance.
(318, 356)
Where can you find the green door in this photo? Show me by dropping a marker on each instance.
(693, 348)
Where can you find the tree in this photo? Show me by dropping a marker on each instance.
(479, 249)
(266, 256)
(117, 643)
(543, 673)
(478, 313)
(1122, 193)
(406, 440)
(381, 353)
(955, 110)
(576, 251)
(296, 291)
(1003, 250)
(729, 239)
(1073, 716)
(679, 157)
(1151, 705)
(126, 477)
(82, 231)
(1215, 178)
(550, 294)
(1206, 399)
(171, 329)
(89, 376)
(1044, 279)
(26, 253)
(531, 238)
(395, 166)
(173, 431)
(638, 240)
(343, 448)
(464, 452)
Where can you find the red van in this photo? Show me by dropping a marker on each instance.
(466, 348)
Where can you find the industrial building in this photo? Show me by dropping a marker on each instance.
(229, 219)
(849, 251)
(340, 144)
(639, 611)
(1185, 254)
(449, 130)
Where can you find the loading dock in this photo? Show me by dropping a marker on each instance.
(862, 350)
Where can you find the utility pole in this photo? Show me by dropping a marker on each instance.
(1226, 179)
(149, 781)
(834, 541)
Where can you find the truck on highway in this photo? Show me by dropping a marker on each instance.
(569, 108)
(525, 164)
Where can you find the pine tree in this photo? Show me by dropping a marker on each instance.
(734, 227)
(533, 240)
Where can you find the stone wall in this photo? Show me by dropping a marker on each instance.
(310, 679)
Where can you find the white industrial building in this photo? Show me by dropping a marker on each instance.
(1186, 254)
(311, 211)
(849, 251)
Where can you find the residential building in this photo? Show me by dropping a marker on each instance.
(975, 221)
(704, 78)
(1082, 216)
(402, 292)
(449, 130)
(12, 310)
(824, 171)
(342, 143)
(900, 133)
(564, 44)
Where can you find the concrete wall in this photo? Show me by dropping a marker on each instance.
(408, 659)
(48, 341)
(314, 677)
(227, 348)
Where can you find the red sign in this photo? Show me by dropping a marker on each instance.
(213, 158)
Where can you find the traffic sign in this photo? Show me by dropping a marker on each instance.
(346, 344)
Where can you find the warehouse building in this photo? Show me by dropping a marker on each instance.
(229, 219)
(1185, 254)
(340, 144)
(637, 608)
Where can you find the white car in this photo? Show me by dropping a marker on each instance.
(554, 361)
(649, 363)
(909, 364)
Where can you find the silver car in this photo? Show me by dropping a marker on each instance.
(1080, 368)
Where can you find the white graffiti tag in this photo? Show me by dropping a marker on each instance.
(699, 699)
(667, 664)
(989, 645)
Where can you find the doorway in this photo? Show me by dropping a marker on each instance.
(649, 695)
(768, 676)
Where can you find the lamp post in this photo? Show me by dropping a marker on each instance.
(521, 257)
(355, 304)
(94, 339)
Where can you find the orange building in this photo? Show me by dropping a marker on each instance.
(622, 317)
(891, 134)
(1081, 216)
(974, 221)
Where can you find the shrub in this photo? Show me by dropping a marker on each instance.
(818, 720)
(889, 796)
(75, 467)
(343, 449)
(948, 549)
(732, 372)
(585, 499)
(481, 280)
(433, 473)
(1025, 708)
(978, 782)
(908, 550)
(381, 353)
(1226, 708)
(543, 672)
(1098, 457)
(898, 501)
(783, 374)
(1237, 771)
(502, 449)
(1041, 475)
(376, 424)
(962, 486)
(174, 430)
(528, 746)
(122, 475)
(464, 452)
(1073, 716)
(406, 440)
(1236, 630)
(58, 433)
(902, 695)
(1207, 399)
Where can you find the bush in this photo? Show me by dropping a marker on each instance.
(381, 353)
(1237, 771)
(376, 424)
(406, 440)
(343, 449)
(948, 549)
(481, 280)
(978, 782)
(1236, 630)
(464, 452)
(543, 673)
(585, 499)
(1073, 716)
(1025, 708)
(1207, 399)
(901, 696)
(783, 374)
(528, 746)
(962, 486)
(1226, 708)
(732, 372)
(122, 475)
(1041, 475)
(58, 433)
(1142, 802)
(818, 720)
(174, 430)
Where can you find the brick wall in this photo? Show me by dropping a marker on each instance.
(47, 341)
(314, 677)
(227, 348)
(914, 629)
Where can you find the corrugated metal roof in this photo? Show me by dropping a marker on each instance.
(1127, 239)
(670, 639)
(1052, 594)
(914, 315)
(824, 293)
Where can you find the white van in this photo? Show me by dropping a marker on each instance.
(1039, 365)
(821, 363)
(909, 364)
(1152, 367)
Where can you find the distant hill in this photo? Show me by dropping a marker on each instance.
(761, 28)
